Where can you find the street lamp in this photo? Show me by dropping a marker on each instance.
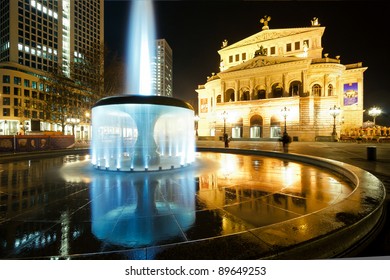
(225, 136)
(374, 112)
(285, 112)
(88, 126)
(224, 116)
(334, 112)
(196, 119)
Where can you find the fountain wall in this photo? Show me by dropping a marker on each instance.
(142, 133)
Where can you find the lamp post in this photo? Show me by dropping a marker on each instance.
(87, 120)
(196, 119)
(374, 112)
(286, 139)
(334, 112)
(225, 136)
(285, 112)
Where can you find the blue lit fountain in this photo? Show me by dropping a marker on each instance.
(140, 131)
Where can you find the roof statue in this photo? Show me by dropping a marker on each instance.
(224, 43)
(265, 20)
(315, 22)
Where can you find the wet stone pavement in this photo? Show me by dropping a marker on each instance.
(61, 208)
(351, 153)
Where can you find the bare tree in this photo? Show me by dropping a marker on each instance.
(88, 72)
(114, 78)
(62, 98)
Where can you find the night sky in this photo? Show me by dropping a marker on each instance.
(195, 30)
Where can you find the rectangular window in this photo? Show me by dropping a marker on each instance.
(288, 47)
(6, 112)
(26, 83)
(243, 56)
(273, 50)
(18, 81)
(16, 101)
(17, 91)
(34, 85)
(6, 101)
(297, 45)
(6, 79)
(16, 112)
(6, 90)
(26, 93)
(237, 57)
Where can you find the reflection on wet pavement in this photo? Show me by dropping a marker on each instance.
(60, 208)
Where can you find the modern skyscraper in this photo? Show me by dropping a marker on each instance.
(42, 37)
(164, 67)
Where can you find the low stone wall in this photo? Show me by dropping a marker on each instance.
(30, 143)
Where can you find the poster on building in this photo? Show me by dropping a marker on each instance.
(203, 105)
(350, 94)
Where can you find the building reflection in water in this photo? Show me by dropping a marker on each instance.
(261, 191)
(59, 207)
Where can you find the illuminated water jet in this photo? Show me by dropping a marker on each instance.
(140, 131)
(141, 48)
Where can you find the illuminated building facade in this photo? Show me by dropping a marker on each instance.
(163, 68)
(39, 37)
(279, 79)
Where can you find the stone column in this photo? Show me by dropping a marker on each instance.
(236, 90)
(251, 88)
(223, 89)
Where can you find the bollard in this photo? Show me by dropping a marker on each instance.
(371, 153)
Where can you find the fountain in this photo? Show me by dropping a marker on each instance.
(140, 131)
(239, 205)
(143, 210)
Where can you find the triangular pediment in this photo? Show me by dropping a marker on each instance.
(261, 61)
(272, 34)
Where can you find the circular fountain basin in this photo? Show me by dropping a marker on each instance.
(142, 133)
(237, 205)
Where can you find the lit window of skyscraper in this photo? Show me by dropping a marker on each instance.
(163, 76)
(42, 37)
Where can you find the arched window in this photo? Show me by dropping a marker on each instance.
(237, 128)
(261, 93)
(295, 88)
(258, 94)
(316, 90)
(256, 124)
(277, 91)
(275, 130)
(219, 98)
(229, 95)
(244, 95)
(330, 90)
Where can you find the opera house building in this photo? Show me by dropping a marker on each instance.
(281, 80)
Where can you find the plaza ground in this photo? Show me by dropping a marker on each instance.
(357, 154)
(77, 202)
